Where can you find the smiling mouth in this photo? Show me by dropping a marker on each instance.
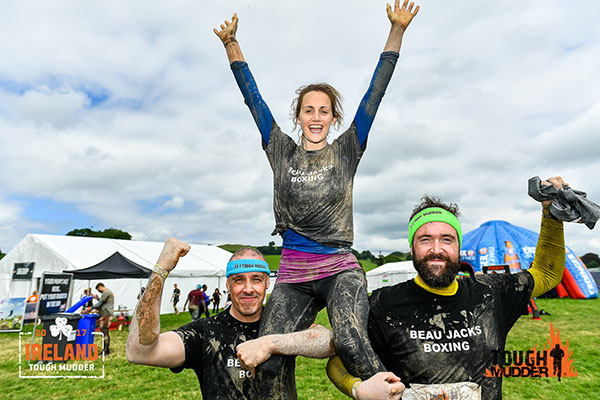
(315, 129)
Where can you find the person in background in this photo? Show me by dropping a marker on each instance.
(194, 298)
(206, 301)
(33, 298)
(175, 298)
(216, 300)
(106, 310)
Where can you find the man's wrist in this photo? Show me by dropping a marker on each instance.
(160, 271)
(546, 213)
(355, 389)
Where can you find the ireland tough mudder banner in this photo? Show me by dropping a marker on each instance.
(61, 347)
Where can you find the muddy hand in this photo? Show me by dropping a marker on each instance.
(171, 252)
(228, 29)
(254, 352)
(402, 15)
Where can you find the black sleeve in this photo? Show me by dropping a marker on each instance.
(192, 336)
(514, 291)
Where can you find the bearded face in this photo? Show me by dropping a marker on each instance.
(436, 254)
(435, 273)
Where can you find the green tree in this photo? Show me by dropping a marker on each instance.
(110, 233)
(2, 255)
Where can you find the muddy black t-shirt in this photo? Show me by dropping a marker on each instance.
(210, 351)
(431, 339)
(313, 189)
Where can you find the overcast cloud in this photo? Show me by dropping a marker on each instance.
(126, 114)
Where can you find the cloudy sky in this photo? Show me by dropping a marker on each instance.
(126, 114)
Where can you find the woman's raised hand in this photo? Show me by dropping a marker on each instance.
(401, 15)
(228, 30)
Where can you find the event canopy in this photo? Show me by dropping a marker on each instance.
(114, 267)
(390, 274)
(501, 243)
(204, 264)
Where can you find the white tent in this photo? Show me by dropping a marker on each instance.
(390, 274)
(50, 253)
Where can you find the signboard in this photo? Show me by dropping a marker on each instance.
(11, 314)
(23, 271)
(29, 315)
(54, 293)
(496, 269)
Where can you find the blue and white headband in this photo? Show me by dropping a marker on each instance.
(241, 266)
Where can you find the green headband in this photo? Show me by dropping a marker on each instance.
(433, 214)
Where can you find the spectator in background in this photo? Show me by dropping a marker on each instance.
(195, 300)
(106, 309)
(216, 299)
(175, 298)
(87, 292)
(33, 298)
(206, 300)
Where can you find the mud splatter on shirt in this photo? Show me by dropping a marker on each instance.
(313, 189)
(210, 345)
(427, 338)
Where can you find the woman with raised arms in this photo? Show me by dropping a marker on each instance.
(313, 182)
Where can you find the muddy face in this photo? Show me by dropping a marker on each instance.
(315, 119)
(247, 294)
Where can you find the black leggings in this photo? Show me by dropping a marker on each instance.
(294, 306)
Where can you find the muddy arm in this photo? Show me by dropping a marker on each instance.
(315, 342)
(145, 344)
(400, 18)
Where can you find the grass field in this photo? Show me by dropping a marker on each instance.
(577, 321)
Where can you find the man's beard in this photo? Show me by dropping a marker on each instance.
(437, 280)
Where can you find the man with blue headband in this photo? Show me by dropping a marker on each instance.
(208, 346)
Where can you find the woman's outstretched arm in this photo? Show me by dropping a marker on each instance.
(227, 36)
(259, 109)
(400, 18)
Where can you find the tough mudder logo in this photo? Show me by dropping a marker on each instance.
(554, 360)
(60, 353)
(298, 175)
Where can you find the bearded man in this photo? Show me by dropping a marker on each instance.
(439, 334)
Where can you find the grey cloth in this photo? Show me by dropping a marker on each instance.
(106, 304)
(567, 204)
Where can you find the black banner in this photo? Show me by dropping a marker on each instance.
(23, 271)
(54, 293)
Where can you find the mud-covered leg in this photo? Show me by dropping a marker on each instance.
(348, 309)
(291, 307)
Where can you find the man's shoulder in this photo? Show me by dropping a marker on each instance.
(500, 281)
(396, 293)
